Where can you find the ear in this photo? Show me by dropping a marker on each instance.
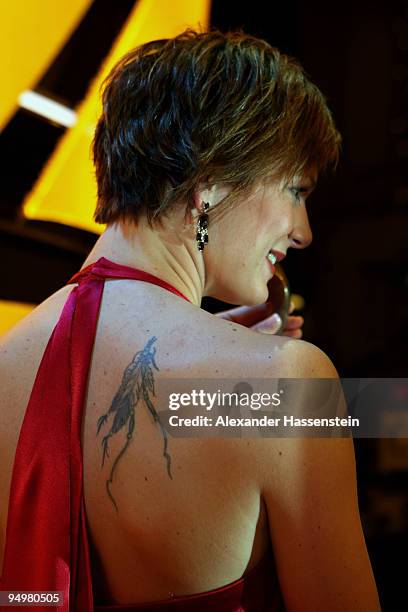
(208, 192)
(205, 192)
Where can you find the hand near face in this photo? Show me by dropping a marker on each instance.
(262, 319)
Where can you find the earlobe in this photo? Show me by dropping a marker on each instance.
(204, 192)
(200, 195)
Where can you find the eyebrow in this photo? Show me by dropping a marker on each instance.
(310, 183)
(307, 185)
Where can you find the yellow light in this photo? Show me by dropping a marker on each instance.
(11, 313)
(32, 32)
(66, 190)
(47, 108)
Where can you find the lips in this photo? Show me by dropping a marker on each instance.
(279, 256)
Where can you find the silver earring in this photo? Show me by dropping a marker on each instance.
(202, 227)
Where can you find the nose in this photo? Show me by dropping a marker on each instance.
(301, 234)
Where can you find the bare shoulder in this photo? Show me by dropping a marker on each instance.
(310, 493)
(21, 349)
(280, 460)
(38, 320)
(274, 355)
(282, 465)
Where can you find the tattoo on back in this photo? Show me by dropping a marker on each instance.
(137, 384)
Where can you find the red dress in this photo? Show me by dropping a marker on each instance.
(47, 545)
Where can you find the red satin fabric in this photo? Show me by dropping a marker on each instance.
(46, 539)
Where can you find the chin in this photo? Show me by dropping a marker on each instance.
(255, 300)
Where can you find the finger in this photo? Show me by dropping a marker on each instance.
(232, 313)
(247, 315)
(295, 333)
(291, 306)
(294, 322)
(270, 325)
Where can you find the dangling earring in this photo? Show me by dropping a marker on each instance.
(202, 227)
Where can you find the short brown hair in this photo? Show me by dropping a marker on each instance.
(204, 104)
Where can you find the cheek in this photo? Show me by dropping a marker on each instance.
(280, 223)
(234, 236)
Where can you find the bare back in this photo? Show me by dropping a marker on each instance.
(207, 525)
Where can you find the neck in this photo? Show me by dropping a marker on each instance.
(169, 254)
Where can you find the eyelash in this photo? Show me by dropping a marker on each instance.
(296, 191)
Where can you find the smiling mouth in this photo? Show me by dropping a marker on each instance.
(272, 258)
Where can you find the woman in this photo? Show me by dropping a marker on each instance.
(205, 153)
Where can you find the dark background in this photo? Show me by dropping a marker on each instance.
(354, 276)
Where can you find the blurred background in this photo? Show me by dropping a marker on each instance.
(354, 276)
